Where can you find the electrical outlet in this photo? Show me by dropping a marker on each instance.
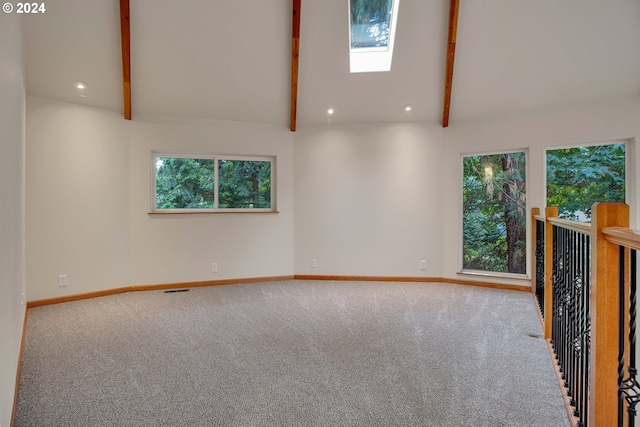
(63, 280)
(313, 263)
(214, 267)
(423, 264)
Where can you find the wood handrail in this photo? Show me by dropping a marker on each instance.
(580, 227)
(540, 217)
(622, 236)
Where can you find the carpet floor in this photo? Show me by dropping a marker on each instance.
(292, 353)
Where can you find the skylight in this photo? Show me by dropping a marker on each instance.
(371, 36)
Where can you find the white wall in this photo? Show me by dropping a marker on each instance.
(181, 248)
(88, 198)
(77, 198)
(368, 199)
(374, 199)
(12, 282)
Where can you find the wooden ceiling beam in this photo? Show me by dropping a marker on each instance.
(125, 35)
(451, 53)
(295, 50)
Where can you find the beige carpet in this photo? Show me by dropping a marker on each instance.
(291, 353)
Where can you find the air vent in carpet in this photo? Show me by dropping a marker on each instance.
(176, 290)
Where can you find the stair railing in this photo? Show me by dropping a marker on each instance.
(584, 281)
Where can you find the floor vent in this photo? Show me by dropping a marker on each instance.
(176, 290)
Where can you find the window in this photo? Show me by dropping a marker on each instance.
(577, 177)
(372, 25)
(370, 22)
(494, 213)
(200, 183)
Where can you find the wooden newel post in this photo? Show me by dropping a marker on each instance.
(549, 212)
(604, 309)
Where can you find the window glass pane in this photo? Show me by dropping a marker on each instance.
(244, 184)
(494, 213)
(183, 183)
(370, 21)
(580, 176)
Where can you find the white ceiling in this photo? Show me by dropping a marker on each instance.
(231, 60)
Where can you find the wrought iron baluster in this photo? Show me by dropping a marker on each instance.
(578, 345)
(540, 252)
(570, 314)
(632, 398)
(566, 298)
(555, 312)
(587, 332)
(629, 388)
(582, 283)
(621, 329)
(571, 311)
(576, 318)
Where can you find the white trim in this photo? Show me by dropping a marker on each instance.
(519, 276)
(216, 180)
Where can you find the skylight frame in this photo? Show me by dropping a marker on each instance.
(376, 58)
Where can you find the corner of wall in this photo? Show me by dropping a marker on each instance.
(12, 209)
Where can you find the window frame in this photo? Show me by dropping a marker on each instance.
(629, 153)
(488, 273)
(155, 154)
(374, 59)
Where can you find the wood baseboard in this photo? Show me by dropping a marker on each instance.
(484, 284)
(135, 288)
(18, 369)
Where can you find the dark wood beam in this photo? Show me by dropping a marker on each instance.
(451, 54)
(125, 35)
(295, 50)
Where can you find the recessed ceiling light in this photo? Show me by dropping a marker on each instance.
(408, 107)
(80, 85)
(330, 111)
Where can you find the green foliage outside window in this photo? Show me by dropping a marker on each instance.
(494, 213)
(245, 184)
(183, 183)
(580, 176)
(190, 183)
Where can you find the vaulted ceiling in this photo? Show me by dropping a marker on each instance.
(231, 60)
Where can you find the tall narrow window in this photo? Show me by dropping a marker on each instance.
(494, 213)
(372, 26)
(577, 177)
